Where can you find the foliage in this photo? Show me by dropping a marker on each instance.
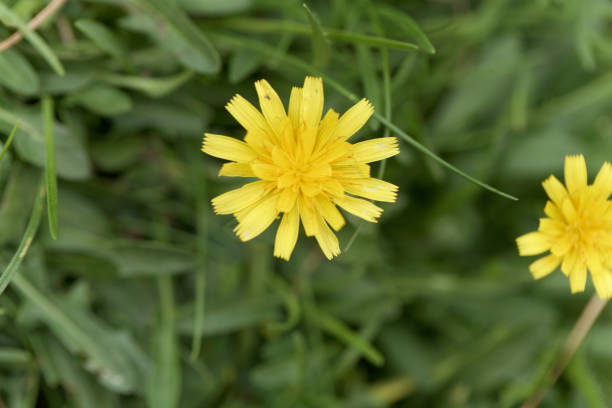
(146, 298)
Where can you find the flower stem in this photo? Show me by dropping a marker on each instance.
(577, 335)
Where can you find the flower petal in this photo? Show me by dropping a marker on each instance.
(603, 182)
(575, 173)
(287, 234)
(555, 190)
(311, 108)
(533, 243)
(330, 212)
(371, 188)
(544, 266)
(353, 119)
(271, 105)
(578, 276)
(236, 170)
(358, 207)
(258, 219)
(241, 198)
(375, 149)
(228, 148)
(295, 106)
(327, 239)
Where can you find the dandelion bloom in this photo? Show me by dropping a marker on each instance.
(577, 230)
(305, 165)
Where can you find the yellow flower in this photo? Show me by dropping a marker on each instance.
(304, 164)
(577, 230)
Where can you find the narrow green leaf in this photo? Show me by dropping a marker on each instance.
(11, 355)
(200, 278)
(101, 36)
(37, 42)
(7, 144)
(260, 25)
(17, 74)
(102, 99)
(342, 332)
(165, 381)
(320, 44)
(296, 62)
(405, 23)
(10, 272)
(50, 175)
(215, 7)
(153, 87)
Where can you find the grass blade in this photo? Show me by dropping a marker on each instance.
(37, 42)
(50, 175)
(9, 140)
(10, 272)
(296, 62)
(408, 25)
(320, 44)
(266, 26)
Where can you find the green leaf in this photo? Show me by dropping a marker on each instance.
(7, 144)
(176, 33)
(10, 272)
(102, 99)
(7, 15)
(71, 157)
(153, 87)
(50, 176)
(17, 74)
(215, 7)
(405, 23)
(320, 44)
(102, 37)
(165, 379)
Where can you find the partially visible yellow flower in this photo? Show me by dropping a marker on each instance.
(305, 166)
(577, 230)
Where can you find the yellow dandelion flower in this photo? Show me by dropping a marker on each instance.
(305, 165)
(577, 230)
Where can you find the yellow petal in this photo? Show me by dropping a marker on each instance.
(555, 190)
(551, 226)
(358, 207)
(318, 170)
(375, 149)
(561, 245)
(575, 173)
(265, 171)
(286, 200)
(533, 243)
(327, 240)
(287, 234)
(336, 151)
(333, 187)
(544, 266)
(248, 116)
(350, 171)
(602, 280)
(311, 108)
(258, 219)
(227, 148)
(553, 211)
(271, 105)
(236, 200)
(570, 262)
(603, 182)
(353, 119)
(308, 216)
(236, 170)
(327, 127)
(578, 277)
(295, 104)
(329, 212)
(311, 188)
(371, 188)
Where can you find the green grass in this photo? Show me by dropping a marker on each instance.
(147, 298)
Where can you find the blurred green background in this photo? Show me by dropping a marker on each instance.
(147, 298)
